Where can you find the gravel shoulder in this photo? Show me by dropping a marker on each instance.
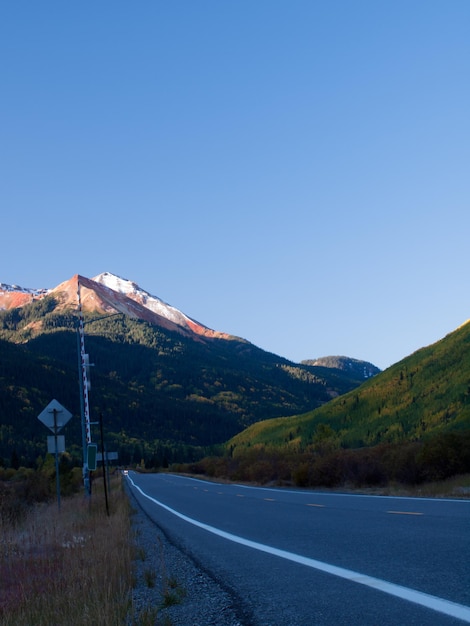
(170, 588)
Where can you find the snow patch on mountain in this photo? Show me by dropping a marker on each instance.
(108, 292)
(12, 296)
(362, 369)
(153, 303)
(17, 289)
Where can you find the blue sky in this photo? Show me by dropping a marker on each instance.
(295, 172)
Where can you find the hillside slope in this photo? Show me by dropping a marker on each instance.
(424, 394)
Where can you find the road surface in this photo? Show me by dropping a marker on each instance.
(297, 557)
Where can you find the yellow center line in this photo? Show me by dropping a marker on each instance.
(404, 512)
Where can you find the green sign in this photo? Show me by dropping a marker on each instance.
(92, 450)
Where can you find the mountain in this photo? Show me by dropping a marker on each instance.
(106, 294)
(426, 394)
(165, 384)
(133, 291)
(13, 296)
(355, 367)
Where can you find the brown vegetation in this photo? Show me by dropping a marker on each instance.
(71, 565)
(414, 463)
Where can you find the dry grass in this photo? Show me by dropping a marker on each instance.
(72, 566)
(455, 487)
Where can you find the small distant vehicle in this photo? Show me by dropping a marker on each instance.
(125, 472)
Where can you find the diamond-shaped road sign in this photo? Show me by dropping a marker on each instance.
(54, 416)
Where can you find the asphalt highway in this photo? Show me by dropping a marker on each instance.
(305, 558)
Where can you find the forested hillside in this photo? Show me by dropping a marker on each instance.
(162, 395)
(424, 394)
(409, 425)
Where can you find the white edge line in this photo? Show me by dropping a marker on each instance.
(440, 605)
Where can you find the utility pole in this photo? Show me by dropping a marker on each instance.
(89, 449)
(83, 364)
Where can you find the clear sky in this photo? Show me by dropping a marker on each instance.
(294, 172)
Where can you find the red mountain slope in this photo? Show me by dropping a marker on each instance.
(97, 296)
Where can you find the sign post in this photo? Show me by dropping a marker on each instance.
(55, 416)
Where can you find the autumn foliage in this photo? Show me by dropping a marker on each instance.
(411, 463)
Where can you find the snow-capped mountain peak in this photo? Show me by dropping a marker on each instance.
(107, 293)
(131, 290)
(136, 293)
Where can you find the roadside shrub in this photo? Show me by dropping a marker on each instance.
(407, 463)
(401, 464)
(327, 471)
(445, 455)
(301, 474)
(12, 509)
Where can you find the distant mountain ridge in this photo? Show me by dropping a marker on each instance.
(346, 364)
(17, 288)
(13, 296)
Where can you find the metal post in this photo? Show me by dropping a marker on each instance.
(104, 465)
(107, 471)
(57, 476)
